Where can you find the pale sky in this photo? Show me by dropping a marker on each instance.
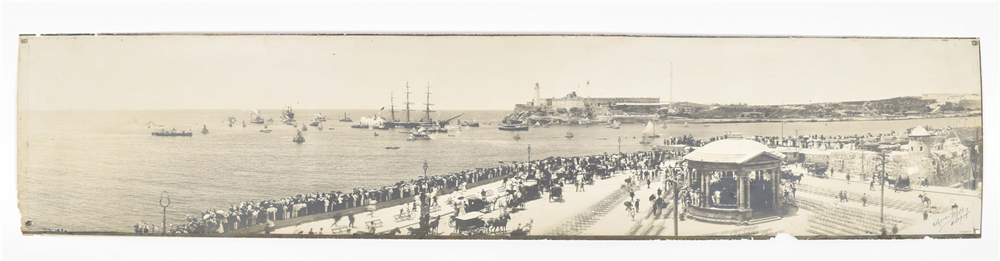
(476, 72)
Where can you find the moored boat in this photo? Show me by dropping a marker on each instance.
(204, 129)
(569, 135)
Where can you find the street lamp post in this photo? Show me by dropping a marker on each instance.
(882, 182)
(529, 153)
(677, 208)
(619, 145)
(425, 169)
(164, 195)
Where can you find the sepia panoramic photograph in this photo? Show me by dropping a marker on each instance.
(499, 136)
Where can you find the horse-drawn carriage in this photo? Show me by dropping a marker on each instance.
(817, 169)
(901, 183)
(791, 177)
(470, 224)
(556, 194)
(530, 189)
(478, 204)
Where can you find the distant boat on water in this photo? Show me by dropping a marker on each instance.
(204, 129)
(685, 124)
(255, 118)
(420, 134)
(513, 127)
(616, 125)
(650, 131)
(319, 117)
(298, 138)
(569, 135)
(346, 119)
(171, 133)
(392, 147)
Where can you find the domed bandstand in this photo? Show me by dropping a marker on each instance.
(734, 181)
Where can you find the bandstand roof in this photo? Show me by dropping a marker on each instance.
(732, 150)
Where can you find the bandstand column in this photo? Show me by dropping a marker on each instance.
(776, 183)
(741, 188)
(704, 188)
(749, 188)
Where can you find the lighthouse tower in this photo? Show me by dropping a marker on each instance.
(538, 97)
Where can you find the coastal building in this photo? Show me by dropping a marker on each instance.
(735, 180)
(572, 100)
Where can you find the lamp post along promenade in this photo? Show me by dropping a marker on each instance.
(164, 195)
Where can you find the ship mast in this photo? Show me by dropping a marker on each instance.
(671, 85)
(428, 102)
(408, 102)
(392, 106)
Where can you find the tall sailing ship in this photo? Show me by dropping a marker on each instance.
(409, 123)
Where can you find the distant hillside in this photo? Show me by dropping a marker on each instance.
(899, 106)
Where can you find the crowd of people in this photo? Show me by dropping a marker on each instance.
(549, 171)
(251, 213)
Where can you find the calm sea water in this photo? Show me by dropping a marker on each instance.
(103, 171)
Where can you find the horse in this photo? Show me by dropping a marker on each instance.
(924, 200)
(433, 225)
(499, 223)
(795, 178)
(392, 232)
